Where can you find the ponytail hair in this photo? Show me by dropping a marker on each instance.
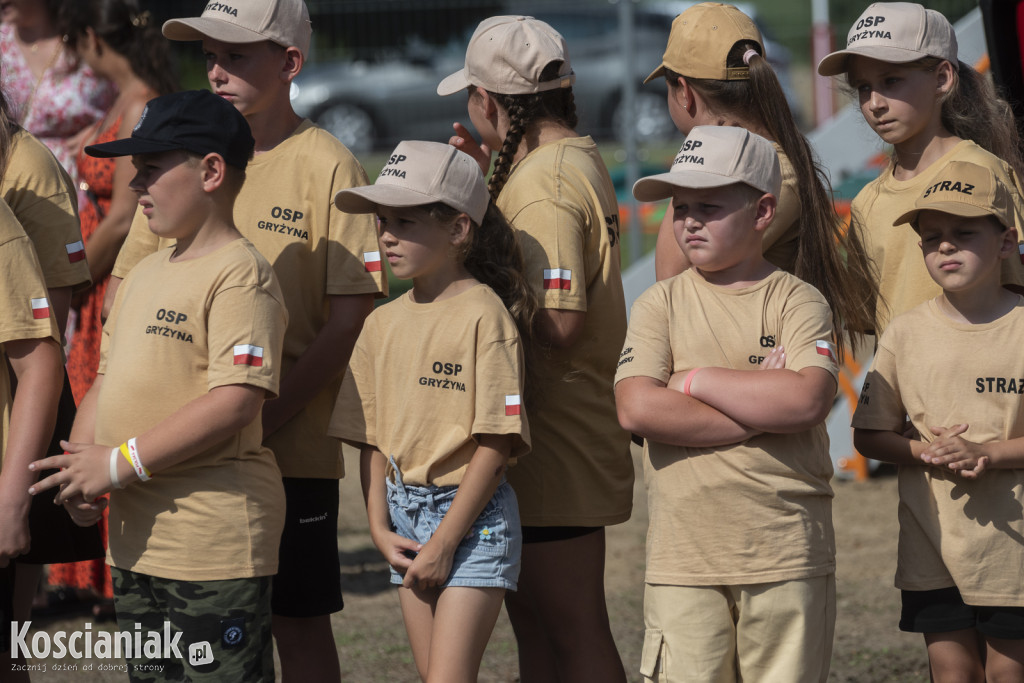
(8, 127)
(129, 31)
(830, 259)
(523, 110)
(492, 256)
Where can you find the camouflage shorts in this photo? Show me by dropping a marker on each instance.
(224, 625)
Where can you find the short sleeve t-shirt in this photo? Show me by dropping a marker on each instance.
(42, 196)
(939, 372)
(428, 378)
(754, 512)
(903, 280)
(286, 209)
(25, 312)
(179, 329)
(561, 202)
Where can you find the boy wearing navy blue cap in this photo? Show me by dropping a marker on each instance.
(190, 351)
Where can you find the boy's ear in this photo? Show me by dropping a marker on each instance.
(212, 169)
(765, 211)
(293, 61)
(1009, 246)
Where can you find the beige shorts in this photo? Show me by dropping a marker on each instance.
(757, 632)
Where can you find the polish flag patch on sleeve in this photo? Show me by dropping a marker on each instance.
(513, 404)
(76, 251)
(371, 260)
(40, 308)
(826, 348)
(557, 278)
(247, 354)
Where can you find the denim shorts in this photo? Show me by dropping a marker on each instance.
(489, 555)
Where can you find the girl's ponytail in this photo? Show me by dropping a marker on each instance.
(831, 260)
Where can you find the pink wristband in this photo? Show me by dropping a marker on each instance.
(689, 378)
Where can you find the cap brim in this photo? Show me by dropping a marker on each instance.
(367, 198)
(453, 84)
(128, 147)
(657, 73)
(662, 186)
(837, 62)
(952, 208)
(198, 28)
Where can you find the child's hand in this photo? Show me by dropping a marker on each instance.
(14, 535)
(84, 471)
(395, 549)
(775, 360)
(464, 141)
(430, 568)
(84, 512)
(956, 453)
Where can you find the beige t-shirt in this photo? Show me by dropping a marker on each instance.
(42, 196)
(286, 209)
(178, 330)
(431, 377)
(782, 238)
(25, 312)
(754, 512)
(562, 204)
(954, 531)
(903, 280)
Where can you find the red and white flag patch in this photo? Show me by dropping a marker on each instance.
(40, 308)
(371, 259)
(76, 251)
(513, 404)
(247, 354)
(557, 278)
(825, 348)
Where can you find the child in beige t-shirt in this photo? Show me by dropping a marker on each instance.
(190, 351)
(728, 371)
(948, 365)
(439, 375)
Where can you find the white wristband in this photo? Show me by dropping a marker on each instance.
(114, 481)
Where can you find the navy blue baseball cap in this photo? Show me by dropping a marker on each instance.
(193, 120)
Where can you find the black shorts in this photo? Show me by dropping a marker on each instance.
(943, 610)
(308, 581)
(54, 535)
(543, 534)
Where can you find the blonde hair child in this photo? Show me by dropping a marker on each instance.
(554, 189)
(439, 375)
(901, 60)
(718, 74)
(961, 543)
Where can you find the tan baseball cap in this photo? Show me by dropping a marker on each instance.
(507, 54)
(715, 156)
(420, 173)
(285, 22)
(964, 189)
(895, 32)
(701, 39)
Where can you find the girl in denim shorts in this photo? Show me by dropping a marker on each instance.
(433, 399)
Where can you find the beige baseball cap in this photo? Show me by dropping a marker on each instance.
(895, 32)
(285, 22)
(507, 54)
(715, 156)
(701, 39)
(419, 173)
(964, 189)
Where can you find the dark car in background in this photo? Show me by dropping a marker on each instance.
(374, 103)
